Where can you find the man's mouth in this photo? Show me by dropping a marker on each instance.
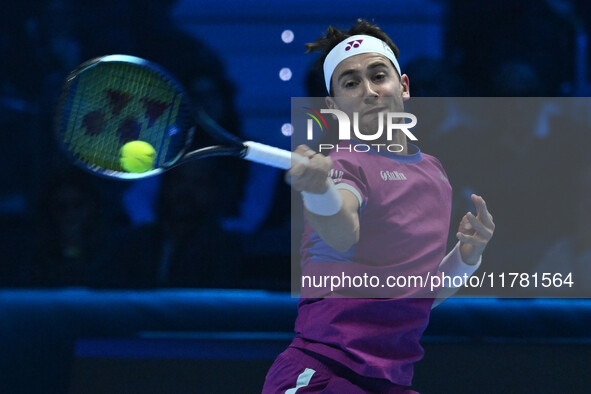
(375, 110)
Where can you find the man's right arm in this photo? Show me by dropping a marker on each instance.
(341, 229)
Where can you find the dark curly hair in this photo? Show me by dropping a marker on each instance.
(334, 36)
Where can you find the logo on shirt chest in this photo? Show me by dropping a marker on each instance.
(336, 175)
(392, 176)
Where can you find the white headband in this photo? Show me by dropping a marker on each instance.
(352, 46)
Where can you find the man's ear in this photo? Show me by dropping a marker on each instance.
(405, 83)
(330, 103)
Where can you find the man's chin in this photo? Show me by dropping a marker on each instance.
(370, 123)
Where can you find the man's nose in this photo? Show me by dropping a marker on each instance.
(370, 89)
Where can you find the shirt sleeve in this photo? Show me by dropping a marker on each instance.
(348, 175)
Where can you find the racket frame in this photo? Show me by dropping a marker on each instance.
(230, 145)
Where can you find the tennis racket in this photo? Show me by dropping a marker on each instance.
(109, 101)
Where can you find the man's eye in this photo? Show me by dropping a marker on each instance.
(379, 77)
(350, 84)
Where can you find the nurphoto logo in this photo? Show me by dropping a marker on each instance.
(392, 122)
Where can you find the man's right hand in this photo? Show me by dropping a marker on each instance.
(311, 177)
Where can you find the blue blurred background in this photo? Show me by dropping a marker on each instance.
(243, 61)
(67, 236)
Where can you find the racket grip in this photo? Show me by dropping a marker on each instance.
(271, 156)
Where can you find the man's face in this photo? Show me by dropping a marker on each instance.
(368, 84)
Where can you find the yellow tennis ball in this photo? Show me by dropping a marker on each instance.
(137, 156)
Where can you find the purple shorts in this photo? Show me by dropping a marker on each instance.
(296, 371)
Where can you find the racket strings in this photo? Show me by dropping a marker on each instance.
(108, 105)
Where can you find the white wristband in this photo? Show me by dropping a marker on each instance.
(453, 266)
(325, 204)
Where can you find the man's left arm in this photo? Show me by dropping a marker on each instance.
(474, 233)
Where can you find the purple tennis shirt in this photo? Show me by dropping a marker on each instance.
(405, 205)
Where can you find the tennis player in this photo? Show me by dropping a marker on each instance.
(383, 209)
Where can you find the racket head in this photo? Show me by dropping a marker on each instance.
(109, 101)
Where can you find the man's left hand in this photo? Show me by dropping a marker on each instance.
(475, 231)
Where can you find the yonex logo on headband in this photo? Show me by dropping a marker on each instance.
(352, 46)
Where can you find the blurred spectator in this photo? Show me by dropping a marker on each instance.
(73, 242)
(480, 36)
(433, 77)
(19, 82)
(186, 246)
(514, 78)
(51, 49)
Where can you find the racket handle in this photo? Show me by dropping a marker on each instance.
(271, 156)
